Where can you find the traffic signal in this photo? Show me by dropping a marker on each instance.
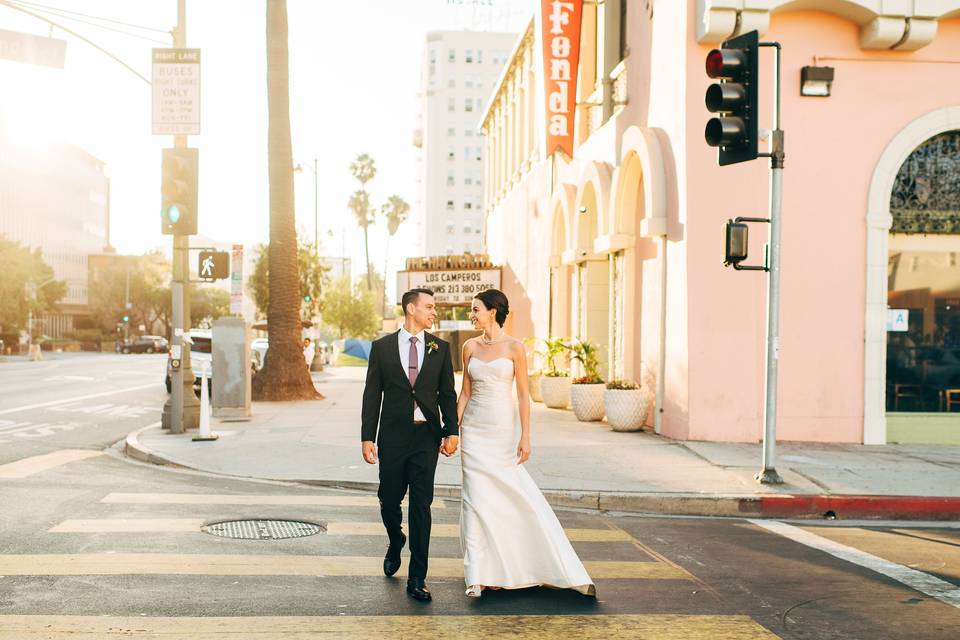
(126, 318)
(178, 191)
(307, 298)
(734, 98)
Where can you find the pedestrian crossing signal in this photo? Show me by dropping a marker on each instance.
(213, 265)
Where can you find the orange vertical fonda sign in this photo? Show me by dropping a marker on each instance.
(561, 55)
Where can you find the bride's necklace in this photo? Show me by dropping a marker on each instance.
(485, 340)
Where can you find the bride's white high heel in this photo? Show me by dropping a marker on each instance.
(474, 590)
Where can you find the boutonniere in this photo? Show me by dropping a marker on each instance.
(432, 346)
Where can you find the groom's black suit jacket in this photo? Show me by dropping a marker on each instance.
(387, 383)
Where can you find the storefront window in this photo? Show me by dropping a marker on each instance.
(923, 281)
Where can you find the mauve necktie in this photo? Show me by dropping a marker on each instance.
(414, 361)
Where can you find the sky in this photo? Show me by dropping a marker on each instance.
(354, 78)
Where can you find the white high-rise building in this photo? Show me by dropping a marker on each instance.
(459, 71)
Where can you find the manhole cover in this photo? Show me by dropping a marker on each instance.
(263, 529)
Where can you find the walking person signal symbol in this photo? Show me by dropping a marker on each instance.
(213, 265)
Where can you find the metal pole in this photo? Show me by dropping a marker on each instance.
(662, 360)
(316, 218)
(768, 474)
(183, 409)
(126, 307)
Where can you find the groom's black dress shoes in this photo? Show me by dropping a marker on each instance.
(391, 561)
(417, 590)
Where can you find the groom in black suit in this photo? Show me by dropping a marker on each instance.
(409, 387)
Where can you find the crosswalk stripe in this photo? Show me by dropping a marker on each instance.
(103, 564)
(259, 500)
(183, 525)
(128, 525)
(29, 466)
(585, 627)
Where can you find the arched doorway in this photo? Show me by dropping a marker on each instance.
(559, 321)
(592, 277)
(879, 222)
(923, 294)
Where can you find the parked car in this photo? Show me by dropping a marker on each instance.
(201, 352)
(144, 344)
(258, 352)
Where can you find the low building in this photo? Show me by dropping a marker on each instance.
(619, 243)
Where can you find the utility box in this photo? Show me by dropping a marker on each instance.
(231, 368)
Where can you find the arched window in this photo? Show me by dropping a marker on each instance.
(926, 193)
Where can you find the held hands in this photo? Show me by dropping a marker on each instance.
(449, 446)
(523, 450)
(369, 452)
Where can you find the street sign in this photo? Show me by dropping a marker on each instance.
(176, 91)
(451, 287)
(236, 280)
(213, 265)
(26, 47)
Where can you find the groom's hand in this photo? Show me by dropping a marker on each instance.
(449, 447)
(369, 452)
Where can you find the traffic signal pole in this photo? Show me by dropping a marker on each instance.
(768, 474)
(182, 409)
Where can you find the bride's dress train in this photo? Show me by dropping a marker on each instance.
(509, 535)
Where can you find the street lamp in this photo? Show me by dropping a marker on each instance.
(316, 237)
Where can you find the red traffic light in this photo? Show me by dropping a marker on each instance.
(726, 63)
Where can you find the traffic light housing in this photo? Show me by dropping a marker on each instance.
(178, 191)
(734, 98)
(213, 265)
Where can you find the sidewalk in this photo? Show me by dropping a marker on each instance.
(586, 465)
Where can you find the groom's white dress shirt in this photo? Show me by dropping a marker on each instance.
(403, 343)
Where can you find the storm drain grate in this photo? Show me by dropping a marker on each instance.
(263, 529)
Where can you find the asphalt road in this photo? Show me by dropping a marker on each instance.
(93, 545)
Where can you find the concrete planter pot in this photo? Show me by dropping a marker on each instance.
(587, 401)
(533, 383)
(555, 391)
(626, 408)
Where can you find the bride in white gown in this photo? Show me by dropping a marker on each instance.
(509, 535)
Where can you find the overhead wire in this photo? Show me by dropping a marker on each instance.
(37, 5)
(93, 24)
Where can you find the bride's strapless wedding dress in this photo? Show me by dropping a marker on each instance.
(509, 535)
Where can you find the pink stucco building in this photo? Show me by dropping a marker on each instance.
(621, 244)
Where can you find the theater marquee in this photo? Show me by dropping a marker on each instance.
(561, 57)
(451, 287)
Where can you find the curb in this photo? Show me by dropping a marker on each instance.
(776, 506)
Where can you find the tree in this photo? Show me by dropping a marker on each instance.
(144, 281)
(395, 211)
(363, 169)
(284, 375)
(311, 271)
(207, 304)
(26, 286)
(350, 311)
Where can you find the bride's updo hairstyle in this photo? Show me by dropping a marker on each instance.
(494, 299)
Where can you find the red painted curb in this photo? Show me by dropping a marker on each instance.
(851, 507)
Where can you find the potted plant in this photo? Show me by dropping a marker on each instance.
(555, 383)
(533, 375)
(586, 392)
(626, 405)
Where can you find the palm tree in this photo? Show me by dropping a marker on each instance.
(284, 375)
(395, 211)
(359, 204)
(363, 169)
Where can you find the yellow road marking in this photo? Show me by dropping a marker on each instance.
(542, 627)
(182, 525)
(204, 498)
(36, 464)
(127, 525)
(103, 564)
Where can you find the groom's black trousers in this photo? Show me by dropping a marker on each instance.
(412, 465)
